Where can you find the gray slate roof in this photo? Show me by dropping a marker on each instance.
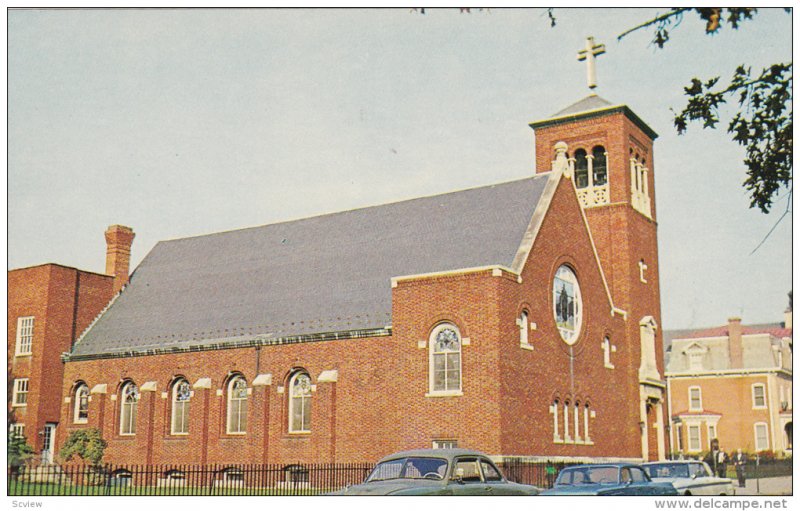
(328, 273)
(590, 102)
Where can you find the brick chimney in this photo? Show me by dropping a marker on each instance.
(735, 342)
(118, 254)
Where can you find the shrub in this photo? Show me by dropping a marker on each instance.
(87, 444)
(19, 452)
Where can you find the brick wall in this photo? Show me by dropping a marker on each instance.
(63, 301)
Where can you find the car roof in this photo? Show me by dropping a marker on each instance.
(602, 465)
(671, 462)
(433, 453)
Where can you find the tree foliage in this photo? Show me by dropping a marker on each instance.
(87, 444)
(762, 123)
(18, 451)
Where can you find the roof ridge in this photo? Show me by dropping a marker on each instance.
(540, 175)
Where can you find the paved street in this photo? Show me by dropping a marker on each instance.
(767, 486)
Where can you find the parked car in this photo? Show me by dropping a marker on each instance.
(689, 477)
(437, 472)
(608, 479)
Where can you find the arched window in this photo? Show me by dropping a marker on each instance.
(555, 407)
(128, 404)
(181, 395)
(523, 327)
(237, 405)
(599, 166)
(586, 413)
(581, 169)
(300, 403)
(80, 413)
(445, 359)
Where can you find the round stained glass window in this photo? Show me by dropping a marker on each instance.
(567, 306)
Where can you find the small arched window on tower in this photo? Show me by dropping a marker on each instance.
(599, 166)
(581, 169)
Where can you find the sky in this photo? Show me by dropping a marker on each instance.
(180, 123)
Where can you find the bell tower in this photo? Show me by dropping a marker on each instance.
(609, 151)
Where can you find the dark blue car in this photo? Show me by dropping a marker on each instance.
(608, 479)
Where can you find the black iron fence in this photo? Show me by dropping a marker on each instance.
(538, 473)
(131, 480)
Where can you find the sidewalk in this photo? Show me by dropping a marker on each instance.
(766, 486)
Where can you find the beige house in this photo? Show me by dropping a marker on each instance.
(733, 383)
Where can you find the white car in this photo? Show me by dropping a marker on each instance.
(690, 477)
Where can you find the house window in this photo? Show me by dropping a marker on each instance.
(694, 438)
(20, 397)
(16, 431)
(567, 438)
(759, 397)
(567, 304)
(237, 405)
(181, 394)
(712, 431)
(695, 399)
(762, 440)
(445, 444)
(24, 336)
(300, 403)
(599, 166)
(80, 413)
(130, 400)
(445, 359)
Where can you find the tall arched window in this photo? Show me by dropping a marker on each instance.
(555, 406)
(581, 169)
(128, 404)
(80, 413)
(523, 327)
(181, 395)
(445, 359)
(300, 403)
(599, 166)
(237, 405)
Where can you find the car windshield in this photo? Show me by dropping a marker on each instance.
(668, 470)
(409, 468)
(587, 475)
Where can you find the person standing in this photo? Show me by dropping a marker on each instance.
(739, 461)
(722, 463)
(712, 458)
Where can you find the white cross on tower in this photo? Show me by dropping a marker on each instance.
(588, 54)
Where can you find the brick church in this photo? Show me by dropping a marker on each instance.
(520, 319)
